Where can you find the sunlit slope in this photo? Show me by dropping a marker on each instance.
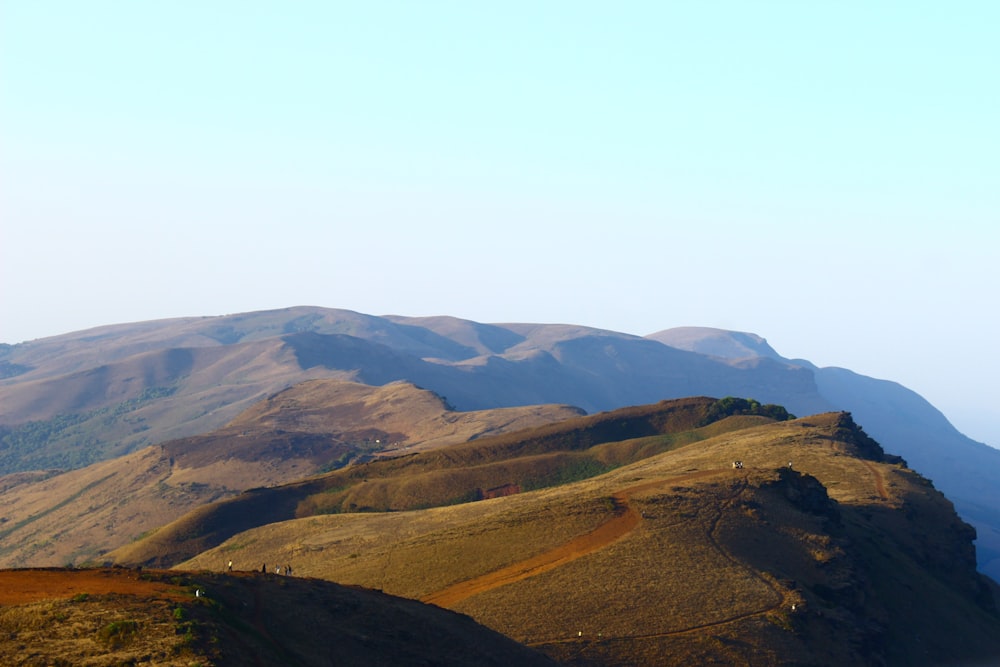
(549, 455)
(817, 551)
(87, 396)
(77, 516)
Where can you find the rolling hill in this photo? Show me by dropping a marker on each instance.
(544, 456)
(818, 550)
(623, 537)
(69, 518)
(72, 400)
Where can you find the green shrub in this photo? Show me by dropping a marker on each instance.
(730, 405)
(117, 633)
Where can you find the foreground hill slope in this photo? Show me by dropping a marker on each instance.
(844, 557)
(124, 617)
(55, 519)
(75, 399)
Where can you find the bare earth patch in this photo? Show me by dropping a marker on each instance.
(34, 585)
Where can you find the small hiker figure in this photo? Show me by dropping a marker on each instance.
(230, 566)
(277, 569)
(288, 570)
(263, 568)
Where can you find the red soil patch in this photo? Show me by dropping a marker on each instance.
(623, 522)
(34, 585)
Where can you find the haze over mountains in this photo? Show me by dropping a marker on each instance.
(75, 399)
(111, 390)
(534, 477)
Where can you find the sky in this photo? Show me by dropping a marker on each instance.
(823, 174)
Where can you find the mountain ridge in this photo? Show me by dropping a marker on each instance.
(842, 558)
(475, 366)
(688, 531)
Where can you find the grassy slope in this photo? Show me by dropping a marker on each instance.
(103, 411)
(548, 455)
(78, 515)
(710, 570)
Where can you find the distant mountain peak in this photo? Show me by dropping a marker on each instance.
(716, 342)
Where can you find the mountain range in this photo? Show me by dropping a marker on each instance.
(621, 514)
(80, 398)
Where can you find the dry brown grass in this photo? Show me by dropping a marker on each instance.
(78, 516)
(411, 553)
(155, 618)
(710, 573)
(135, 625)
(545, 456)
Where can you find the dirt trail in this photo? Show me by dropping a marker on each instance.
(781, 597)
(879, 480)
(624, 521)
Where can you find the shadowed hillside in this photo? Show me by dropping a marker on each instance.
(125, 617)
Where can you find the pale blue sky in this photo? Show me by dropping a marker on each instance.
(824, 174)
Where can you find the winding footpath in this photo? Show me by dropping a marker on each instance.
(883, 494)
(624, 521)
(621, 524)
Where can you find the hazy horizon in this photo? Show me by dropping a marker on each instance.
(822, 176)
